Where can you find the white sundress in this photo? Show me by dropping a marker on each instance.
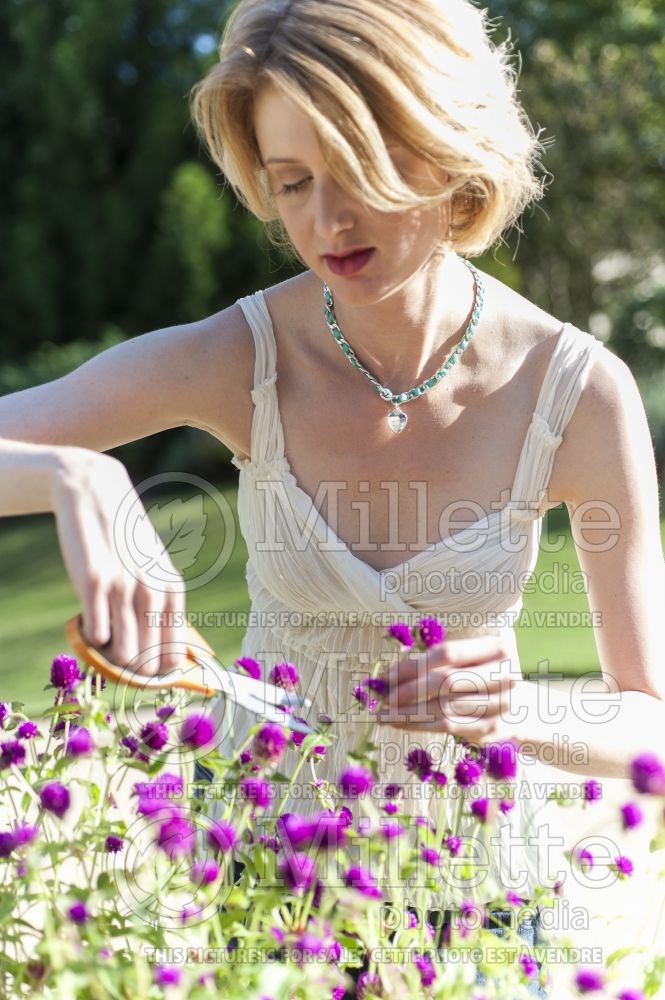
(297, 567)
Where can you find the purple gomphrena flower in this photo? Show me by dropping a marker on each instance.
(64, 671)
(514, 899)
(4, 712)
(104, 953)
(158, 796)
(27, 730)
(431, 631)
(246, 756)
(296, 737)
(80, 741)
(250, 666)
(392, 829)
(221, 836)
(366, 980)
(453, 844)
(204, 872)
(54, 797)
(588, 980)
(647, 772)
(176, 836)
(402, 633)
(188, 912)
(298, 871)
(167, 975)
(154, 735)
(257, 791)
(114, 844)
(377, 684)
(427, 971)
(132, 745)
(468, 771)
(355, 781)
(357, 877)
(165, 712)
(430, 855)
(338, 993)
(77, 912)
(269, 743)
(479, 809)
(363, 697)
(393, 791)
(7, 843)
(592, 790)
(323, 830)
(500, 760)
(25, 834)
(630, 995)
(529, 965)
(285, 675)
(420, 763)
(624, 865)
(307, 946)
(198, 730)
(345, 816)
(631, 815)
(11, 752)
(505, 805)
(584, 858)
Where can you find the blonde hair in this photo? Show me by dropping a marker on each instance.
(425, 70)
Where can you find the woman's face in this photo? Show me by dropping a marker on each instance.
(321, 218)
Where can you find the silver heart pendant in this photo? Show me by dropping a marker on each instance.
(397, 421)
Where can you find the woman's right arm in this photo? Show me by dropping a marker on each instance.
(50, 439)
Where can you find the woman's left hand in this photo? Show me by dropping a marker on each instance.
(473, 702)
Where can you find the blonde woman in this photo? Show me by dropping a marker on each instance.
(376, 400)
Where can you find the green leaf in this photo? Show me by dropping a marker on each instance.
(657, 843)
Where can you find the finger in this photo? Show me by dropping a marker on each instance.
(466, 707)
(96, 619)
(442, 682)
(174, 629)
(148, 609)
(124, 626)
(454, 653)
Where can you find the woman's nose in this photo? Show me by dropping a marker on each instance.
(333, 209)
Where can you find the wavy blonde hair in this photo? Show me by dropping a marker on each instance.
(425, 70)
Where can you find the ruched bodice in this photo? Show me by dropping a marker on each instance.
(318, 605)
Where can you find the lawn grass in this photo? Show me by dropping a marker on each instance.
(37, 598)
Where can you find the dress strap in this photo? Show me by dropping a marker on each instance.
(267, 440)
(566, 376)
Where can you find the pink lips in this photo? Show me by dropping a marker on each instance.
(351, 264)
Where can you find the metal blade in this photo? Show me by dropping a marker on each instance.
(256, 695)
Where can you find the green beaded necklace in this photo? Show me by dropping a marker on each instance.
(396, 418)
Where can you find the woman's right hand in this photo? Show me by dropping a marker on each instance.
(125, 614)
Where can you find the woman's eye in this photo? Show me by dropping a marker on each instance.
(290, 188)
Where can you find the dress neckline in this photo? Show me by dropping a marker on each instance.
(321, 525)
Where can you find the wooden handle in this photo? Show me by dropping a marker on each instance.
(124, 675)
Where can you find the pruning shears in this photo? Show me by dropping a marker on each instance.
(201, 673)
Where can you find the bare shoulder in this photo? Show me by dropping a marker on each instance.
(608, 428)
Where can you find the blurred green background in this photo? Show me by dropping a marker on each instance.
(114, 222)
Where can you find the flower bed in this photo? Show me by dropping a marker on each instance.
(110, 894)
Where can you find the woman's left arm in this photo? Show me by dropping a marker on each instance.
(614, 485)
